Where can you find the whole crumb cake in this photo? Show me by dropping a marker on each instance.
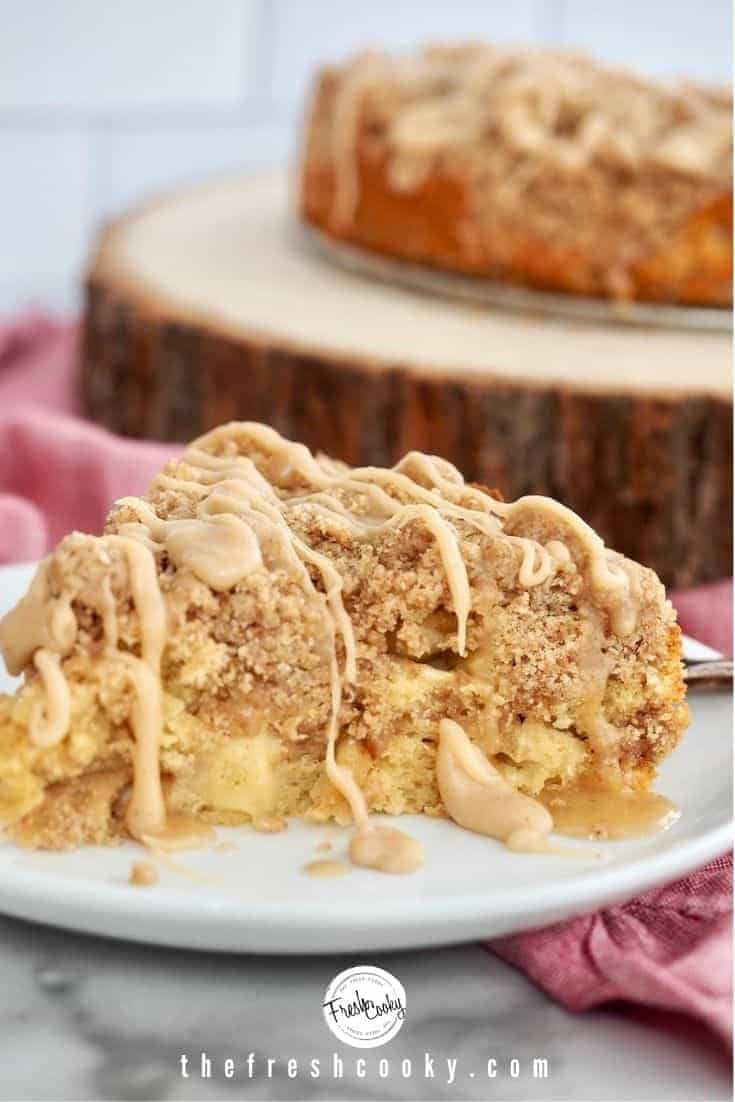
(270, 634)
(542, 167)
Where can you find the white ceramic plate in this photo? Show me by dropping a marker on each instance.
(256, 899)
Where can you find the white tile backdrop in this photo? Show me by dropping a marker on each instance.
(101, 103)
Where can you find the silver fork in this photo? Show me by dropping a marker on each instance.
(708, 673)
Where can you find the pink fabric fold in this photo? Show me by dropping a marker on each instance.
(705, 613)
(38, 364)
(59, 473)
(670, 948)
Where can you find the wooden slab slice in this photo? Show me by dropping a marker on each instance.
(206, 306)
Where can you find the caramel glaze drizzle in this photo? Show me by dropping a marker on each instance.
(479, 799)
(240, 521)
(490, 88)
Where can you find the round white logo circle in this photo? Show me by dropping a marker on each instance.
(365, 1006)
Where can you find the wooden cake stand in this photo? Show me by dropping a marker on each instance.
(207, 305)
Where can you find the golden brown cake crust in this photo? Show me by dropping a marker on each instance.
(630, 225)
(553, 676)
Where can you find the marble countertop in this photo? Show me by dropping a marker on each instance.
(87, 1018)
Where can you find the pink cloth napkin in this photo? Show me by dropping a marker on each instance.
(669, 948)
